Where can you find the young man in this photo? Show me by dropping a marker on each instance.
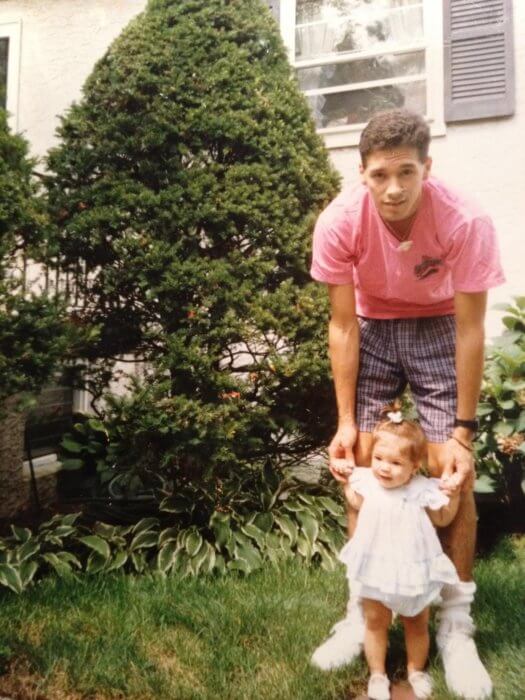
(408, 263)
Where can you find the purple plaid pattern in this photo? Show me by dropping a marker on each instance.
(419, 352)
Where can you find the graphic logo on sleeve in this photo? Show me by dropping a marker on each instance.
(428, 266)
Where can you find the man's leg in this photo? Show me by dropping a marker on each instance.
(346, 639)
(464, 672)
(380, 381)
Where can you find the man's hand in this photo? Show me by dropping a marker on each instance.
(341, 452)
(458, 468)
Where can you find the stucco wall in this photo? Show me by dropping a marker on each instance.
(62, 39)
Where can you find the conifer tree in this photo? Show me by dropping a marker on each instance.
(186, 184)
(31, 327)
(32, 331)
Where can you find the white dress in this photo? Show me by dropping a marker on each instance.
(395, 552)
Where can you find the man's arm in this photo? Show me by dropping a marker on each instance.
(470, 339)
(343, 342)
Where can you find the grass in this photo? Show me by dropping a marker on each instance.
(144, 638)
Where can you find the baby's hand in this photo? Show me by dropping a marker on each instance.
(342, 467)
(450, 485)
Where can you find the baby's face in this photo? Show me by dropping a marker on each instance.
(391, 463)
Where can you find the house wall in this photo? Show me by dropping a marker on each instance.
(62, 39)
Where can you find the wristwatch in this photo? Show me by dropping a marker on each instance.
(472, 425)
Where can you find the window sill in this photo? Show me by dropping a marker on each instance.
(344, 137)
(44, 466)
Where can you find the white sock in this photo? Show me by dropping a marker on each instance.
(455, 607)
(464, 672)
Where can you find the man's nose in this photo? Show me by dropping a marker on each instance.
(394, 190)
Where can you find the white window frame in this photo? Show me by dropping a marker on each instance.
(348, 135)
(12, 30)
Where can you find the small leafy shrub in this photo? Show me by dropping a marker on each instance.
(86, 445)
(500, 447)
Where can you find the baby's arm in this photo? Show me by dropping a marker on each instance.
(446, 514)
(353, 499)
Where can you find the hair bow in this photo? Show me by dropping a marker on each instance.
(395, 416)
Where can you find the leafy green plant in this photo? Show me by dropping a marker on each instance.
(500, 447)
(86, 445)
(297, 524)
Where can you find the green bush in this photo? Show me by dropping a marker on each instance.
(186, 184)
(32, 339)
(500, 447)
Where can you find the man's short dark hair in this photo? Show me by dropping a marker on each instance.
(397, 127)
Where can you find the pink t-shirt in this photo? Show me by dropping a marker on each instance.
(454, 249)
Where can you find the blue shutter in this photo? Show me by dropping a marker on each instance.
(479, 59)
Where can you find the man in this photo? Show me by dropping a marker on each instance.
(408, 263)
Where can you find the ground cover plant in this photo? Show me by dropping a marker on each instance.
(240, 638)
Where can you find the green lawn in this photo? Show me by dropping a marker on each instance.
(131, 638)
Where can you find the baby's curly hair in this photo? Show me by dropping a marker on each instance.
(410, 430)
(397, 127)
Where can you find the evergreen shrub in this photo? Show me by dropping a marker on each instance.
(32, 339)
(185, 188)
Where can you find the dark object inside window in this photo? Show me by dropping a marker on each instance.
(4, 51)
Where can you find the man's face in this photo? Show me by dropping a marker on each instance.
(394, 178)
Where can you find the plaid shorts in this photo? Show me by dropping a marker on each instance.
(419, 352)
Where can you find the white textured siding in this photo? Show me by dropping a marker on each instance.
(62, 39)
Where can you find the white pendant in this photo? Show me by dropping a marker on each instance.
(404, 246)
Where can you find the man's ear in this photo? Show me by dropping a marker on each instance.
(427, 167)
(362, 173)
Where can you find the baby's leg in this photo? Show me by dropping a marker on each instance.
(417, 640)
(377, 622)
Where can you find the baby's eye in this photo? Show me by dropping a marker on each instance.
(379, 459)
(397, 464)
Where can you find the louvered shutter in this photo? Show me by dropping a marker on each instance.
(274, 6)
(479, 59)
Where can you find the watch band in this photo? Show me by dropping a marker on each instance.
(472, 425)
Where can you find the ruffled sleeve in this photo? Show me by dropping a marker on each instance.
(362, 480)
(432, 496)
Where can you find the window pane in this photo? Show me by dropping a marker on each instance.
(377, 68)
(315, 10)
(4, 50)
(369, 27)
(357, 106)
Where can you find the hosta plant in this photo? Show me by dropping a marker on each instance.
(298, 524)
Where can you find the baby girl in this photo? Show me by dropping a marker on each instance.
(395, 553)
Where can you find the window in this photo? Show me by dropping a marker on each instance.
(357, 57)
(9, 69)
